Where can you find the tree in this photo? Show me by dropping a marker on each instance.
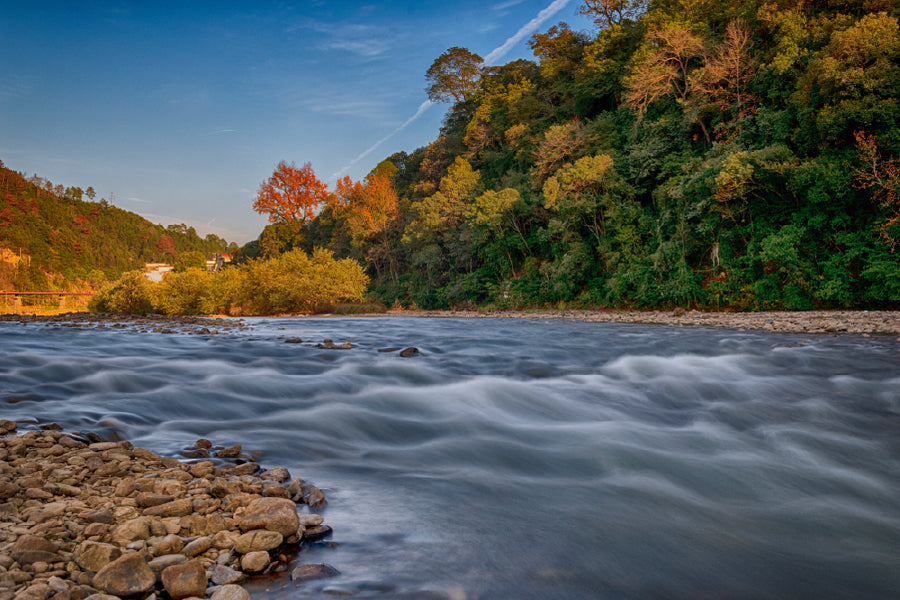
(166, 246)
(90, 193)
(290, 194)
(446, 208)
(368, 208)
(662, 67)
(454, 75)
(607, 13)
(854, 81)
(883, 177)
(193, 259)
(729, 67)
(582, 191)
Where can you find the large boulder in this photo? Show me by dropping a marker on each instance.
(223, 575)
(176, 508)
(254, 562)
(126, 576)
(8, 489)
(93, 556)
(161, 563)
(130, 531)
(231, 592)
(184, 581)
(274, 514)
(258, 540)
(161, 546)
(31, 549)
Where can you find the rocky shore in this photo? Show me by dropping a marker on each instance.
(83, 519)
(820, 321)
(139, 323)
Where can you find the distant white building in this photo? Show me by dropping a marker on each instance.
(155, 271)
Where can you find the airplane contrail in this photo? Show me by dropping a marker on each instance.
(422, 108)
(498, 52)
(527, 29)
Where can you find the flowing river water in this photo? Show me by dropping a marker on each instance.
(523, 459)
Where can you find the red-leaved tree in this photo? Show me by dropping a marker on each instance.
(290, 194)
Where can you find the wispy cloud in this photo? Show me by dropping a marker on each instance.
(137, 200)
(502, 6)
(13, 85)
(367, 41)
(221, 131)
(526, 30)
(339, 105)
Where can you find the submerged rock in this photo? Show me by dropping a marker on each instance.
(311, 572)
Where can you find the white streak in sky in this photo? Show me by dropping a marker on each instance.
(526, 30)
(422, 108)
(498, 52)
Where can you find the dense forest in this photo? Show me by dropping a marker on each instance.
(741, 154)
(52, 239)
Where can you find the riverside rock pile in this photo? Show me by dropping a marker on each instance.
(834, 322)
(102, 520)
(139, 323)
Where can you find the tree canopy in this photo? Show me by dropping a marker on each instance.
(290, 194)
(739, 155)
(454, 75)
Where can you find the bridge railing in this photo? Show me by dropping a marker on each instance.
(43, 302)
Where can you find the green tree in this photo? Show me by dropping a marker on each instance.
(193, 259)
(454, 75)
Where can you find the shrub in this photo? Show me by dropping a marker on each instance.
(132, 294)
(291, 282)
(182, 293)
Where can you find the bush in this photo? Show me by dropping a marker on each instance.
(131, 294)
(292, 282)
(183, 293)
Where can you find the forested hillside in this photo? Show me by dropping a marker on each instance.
(52, 239)
(738, 154)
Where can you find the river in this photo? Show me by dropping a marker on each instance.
(522, 459)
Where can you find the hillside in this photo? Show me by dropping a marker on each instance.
(713, 154)
(53, 239)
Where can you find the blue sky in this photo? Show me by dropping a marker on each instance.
(180, 109)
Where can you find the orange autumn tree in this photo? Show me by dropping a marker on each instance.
(368, 208)
(290, 194)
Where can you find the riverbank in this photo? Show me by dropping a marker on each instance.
(82, 518)
(821, 321)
